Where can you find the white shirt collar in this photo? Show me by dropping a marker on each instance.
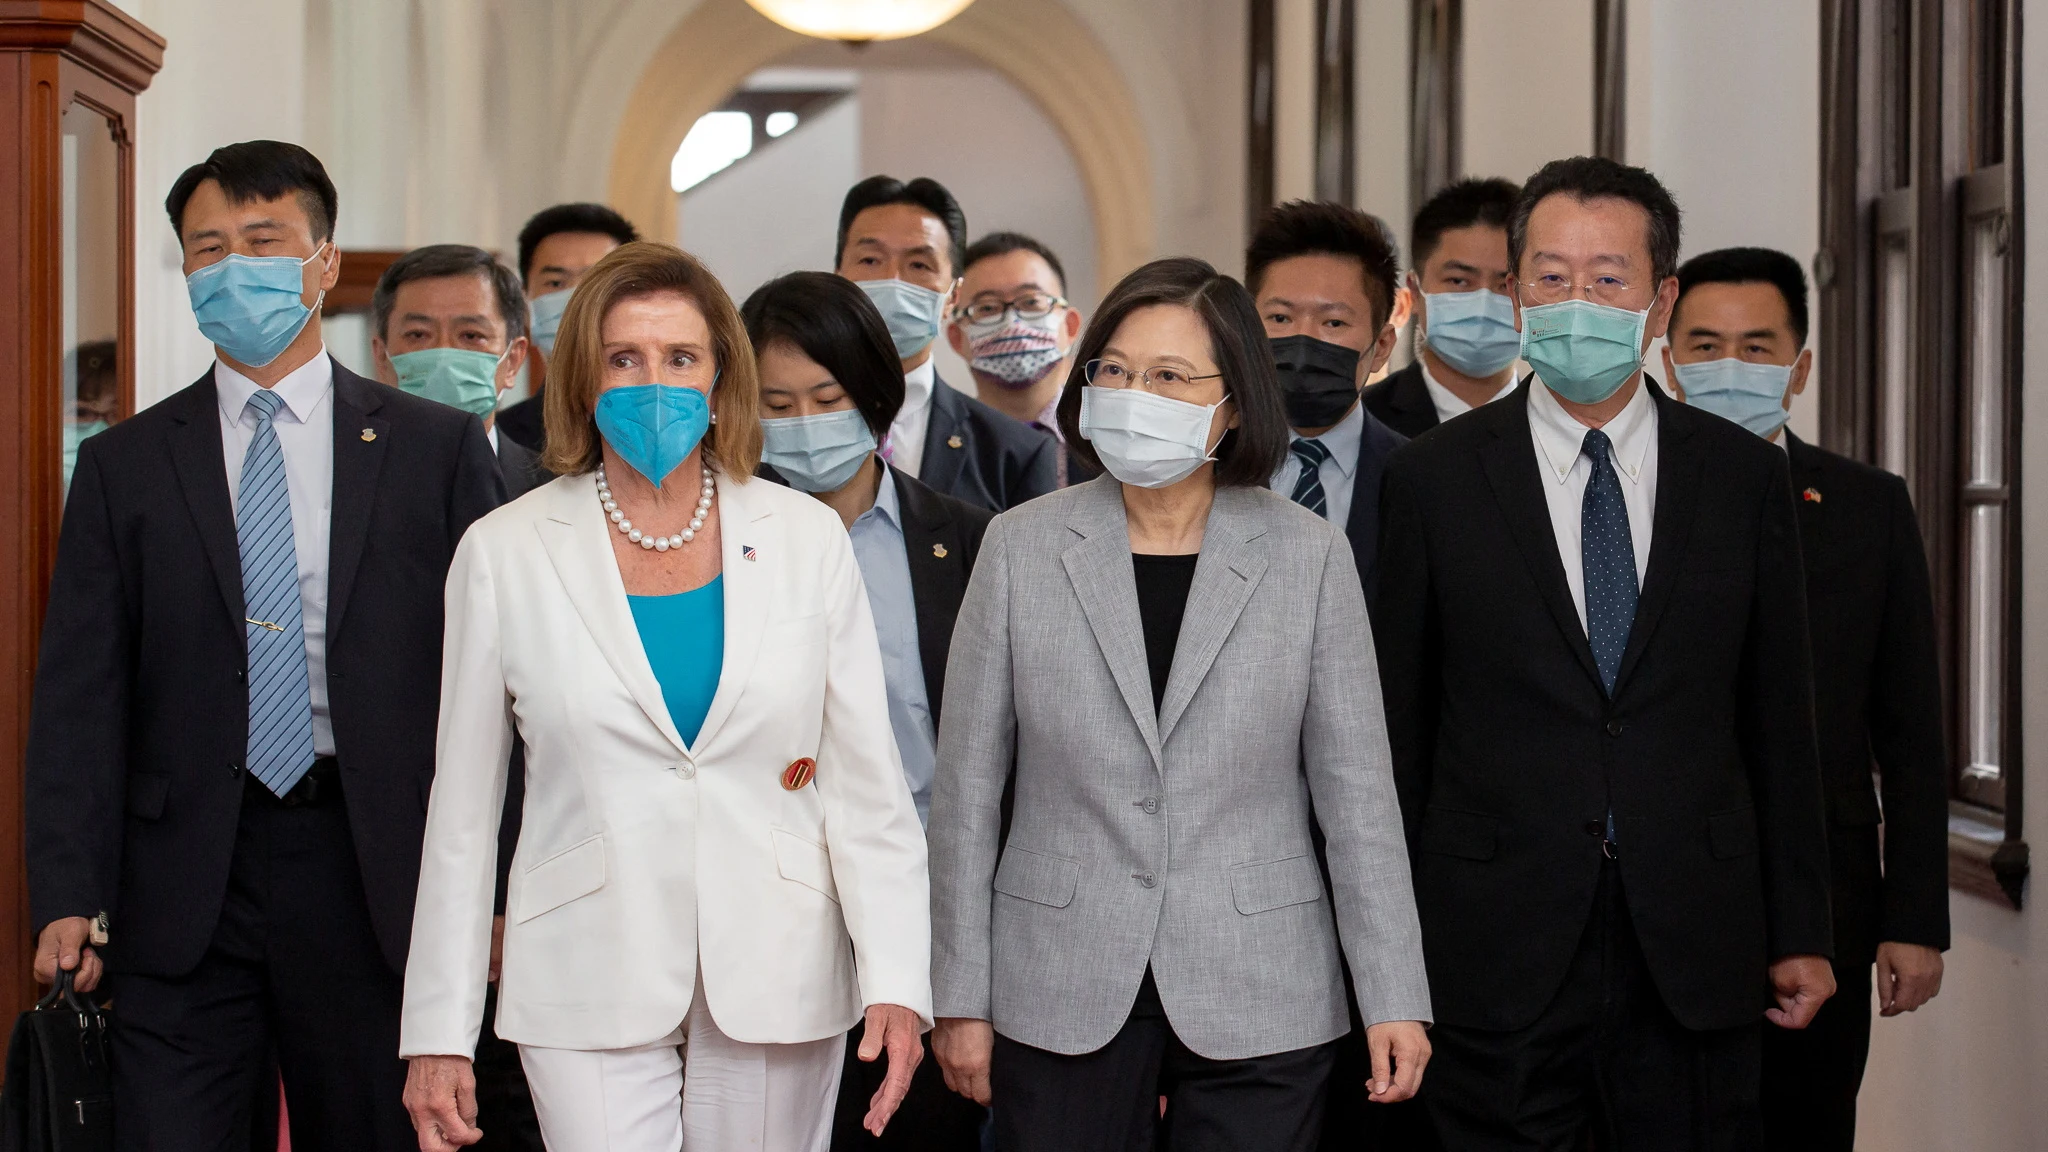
(1447, 402)
(1342, 439)
(302, 390)
(918, 384)
(1562, 437)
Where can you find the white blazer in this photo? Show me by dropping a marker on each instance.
(639, 857)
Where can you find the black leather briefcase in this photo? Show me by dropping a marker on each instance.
(58, 1096)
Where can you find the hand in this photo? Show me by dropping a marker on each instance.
(1908, 975)
(1400, 1050)
(1802, 984)
(497, 947)
(440, 1094)
(964, 1047)
(63, 945)
(898, 1030)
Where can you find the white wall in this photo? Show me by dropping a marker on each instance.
(777, 210)
(1528, 71)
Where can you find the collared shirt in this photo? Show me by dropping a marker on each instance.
(885, 567)
(1447, 402)
(906, 433)
(305, 434)
(1566, 470)
(1342, 440)
(1048, 421)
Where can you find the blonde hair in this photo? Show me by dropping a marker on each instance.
(576, 370)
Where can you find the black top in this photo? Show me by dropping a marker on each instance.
(1163, 583)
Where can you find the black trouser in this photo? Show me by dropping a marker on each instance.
(1108, 1100)
(932, 1118)
(504, 1104)
(1606, 1060)
(1353, 1122)
(293, 972)
(1811, 1077)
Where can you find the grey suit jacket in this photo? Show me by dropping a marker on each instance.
(1181, 840)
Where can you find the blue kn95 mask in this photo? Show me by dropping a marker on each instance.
(653, 427)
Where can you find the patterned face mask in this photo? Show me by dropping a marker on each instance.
(1016, 352)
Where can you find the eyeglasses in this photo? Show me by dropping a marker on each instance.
(1110, 374)
(1556, 287)
(1031, 306)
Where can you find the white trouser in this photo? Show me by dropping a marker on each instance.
(733, 1096)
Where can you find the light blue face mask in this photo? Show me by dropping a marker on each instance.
(74, 435)
(249, 306)
(653, 427)
(817, 453)
(1752, 395)
(1584, 351)
(910, 310)
(1473, 332)
(458, 377)
(547, 318)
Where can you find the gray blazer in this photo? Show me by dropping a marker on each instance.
(1183, 840)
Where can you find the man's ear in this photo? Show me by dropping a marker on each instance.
(1070, 328)
(1802, 371)
(956, 338)
(509, 366)
(380, 362)
(1671, 375)
(1375, 357)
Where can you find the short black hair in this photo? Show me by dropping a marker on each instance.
(260, 170)
(1310, 227)
(449, 260)
(1249, 454)
(1585, 178)
(1004, 243)
(579, 217)
(1750, 266)
(923, 192)
(1489, 201)
(834, 323)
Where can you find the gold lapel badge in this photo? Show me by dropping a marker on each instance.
(1811, 495)
(369, 434)
(939, 550)
(799, 773)
(954, 441)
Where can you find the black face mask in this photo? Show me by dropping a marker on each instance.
(1318, 379)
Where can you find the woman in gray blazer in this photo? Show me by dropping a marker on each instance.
(1171, 670)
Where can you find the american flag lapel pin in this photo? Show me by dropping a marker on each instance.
(747, 552)
(1811, 495)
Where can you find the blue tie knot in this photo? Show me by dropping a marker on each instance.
(266, 402)
(1311, 453)
(1597, 446)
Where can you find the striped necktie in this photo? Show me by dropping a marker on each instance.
(1308, 486)
(280, 701)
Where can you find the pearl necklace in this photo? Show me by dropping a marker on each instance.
(647, 540)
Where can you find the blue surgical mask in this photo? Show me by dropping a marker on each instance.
(817, 453)
(547, 318)
(249, 306)
(1473, 332)
(1752, 395)
(1583, 351)
(910, 310)
(653, 427)
(1144, 439)
(458, 377)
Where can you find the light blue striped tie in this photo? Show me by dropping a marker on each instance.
(280, 703)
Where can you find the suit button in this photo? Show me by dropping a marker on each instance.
(1145, 879)
(239, 674)
(1596, 828)
(234, 769)
(1150, 804)
(686, 770)
(1616, 727)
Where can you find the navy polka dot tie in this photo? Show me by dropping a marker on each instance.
(1609, 556)
(1308, 487)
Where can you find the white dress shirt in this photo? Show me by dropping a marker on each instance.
(1335, 472)
(305, 434)
(1559, 458)
(906, 432)
(1447, 402)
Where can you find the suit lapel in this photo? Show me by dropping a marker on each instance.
(1375, 442)
(1806, 477)
(1225, 577)
(943, 460)
(744, 523)
(937, 583)
(1509, 460)
(1411, 395)
(1679, 465)
(360, 436)
(578, 542)
(1099, 565)
(201, 465)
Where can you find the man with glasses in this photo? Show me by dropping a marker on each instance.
(1592, 641)
(1014, 327)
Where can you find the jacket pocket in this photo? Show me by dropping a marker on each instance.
(146, 794)
(1732, 834)
(570, 874)
(1271, 884)
(805, 863)
(1034, 876)
(1466, 835)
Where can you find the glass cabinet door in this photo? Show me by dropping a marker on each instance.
(91, 251)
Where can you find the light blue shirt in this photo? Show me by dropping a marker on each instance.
(885, 567)
(1342, 440)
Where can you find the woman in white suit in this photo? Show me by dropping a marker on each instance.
(719, 866)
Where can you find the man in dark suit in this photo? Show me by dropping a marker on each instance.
(232, 737)
(1323, 277)
(1610, 783)
(903, 244)
(556, 247)
(1738, 350)
(1466, 341)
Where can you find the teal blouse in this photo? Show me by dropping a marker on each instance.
(684, 636)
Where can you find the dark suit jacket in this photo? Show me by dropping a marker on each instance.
(521, 423)
(974, 453)
(1508, 753)
(942, 536)
(1401, 401)
(520, 467)
(139, 724)
(1876, 684)
(1376, 442)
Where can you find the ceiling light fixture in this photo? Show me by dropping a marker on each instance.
(860, 21)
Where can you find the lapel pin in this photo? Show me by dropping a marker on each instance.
(939, 550)
(747, 552)
(1811, 495)
(954, 441)
(799, 773)
(369, 434)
